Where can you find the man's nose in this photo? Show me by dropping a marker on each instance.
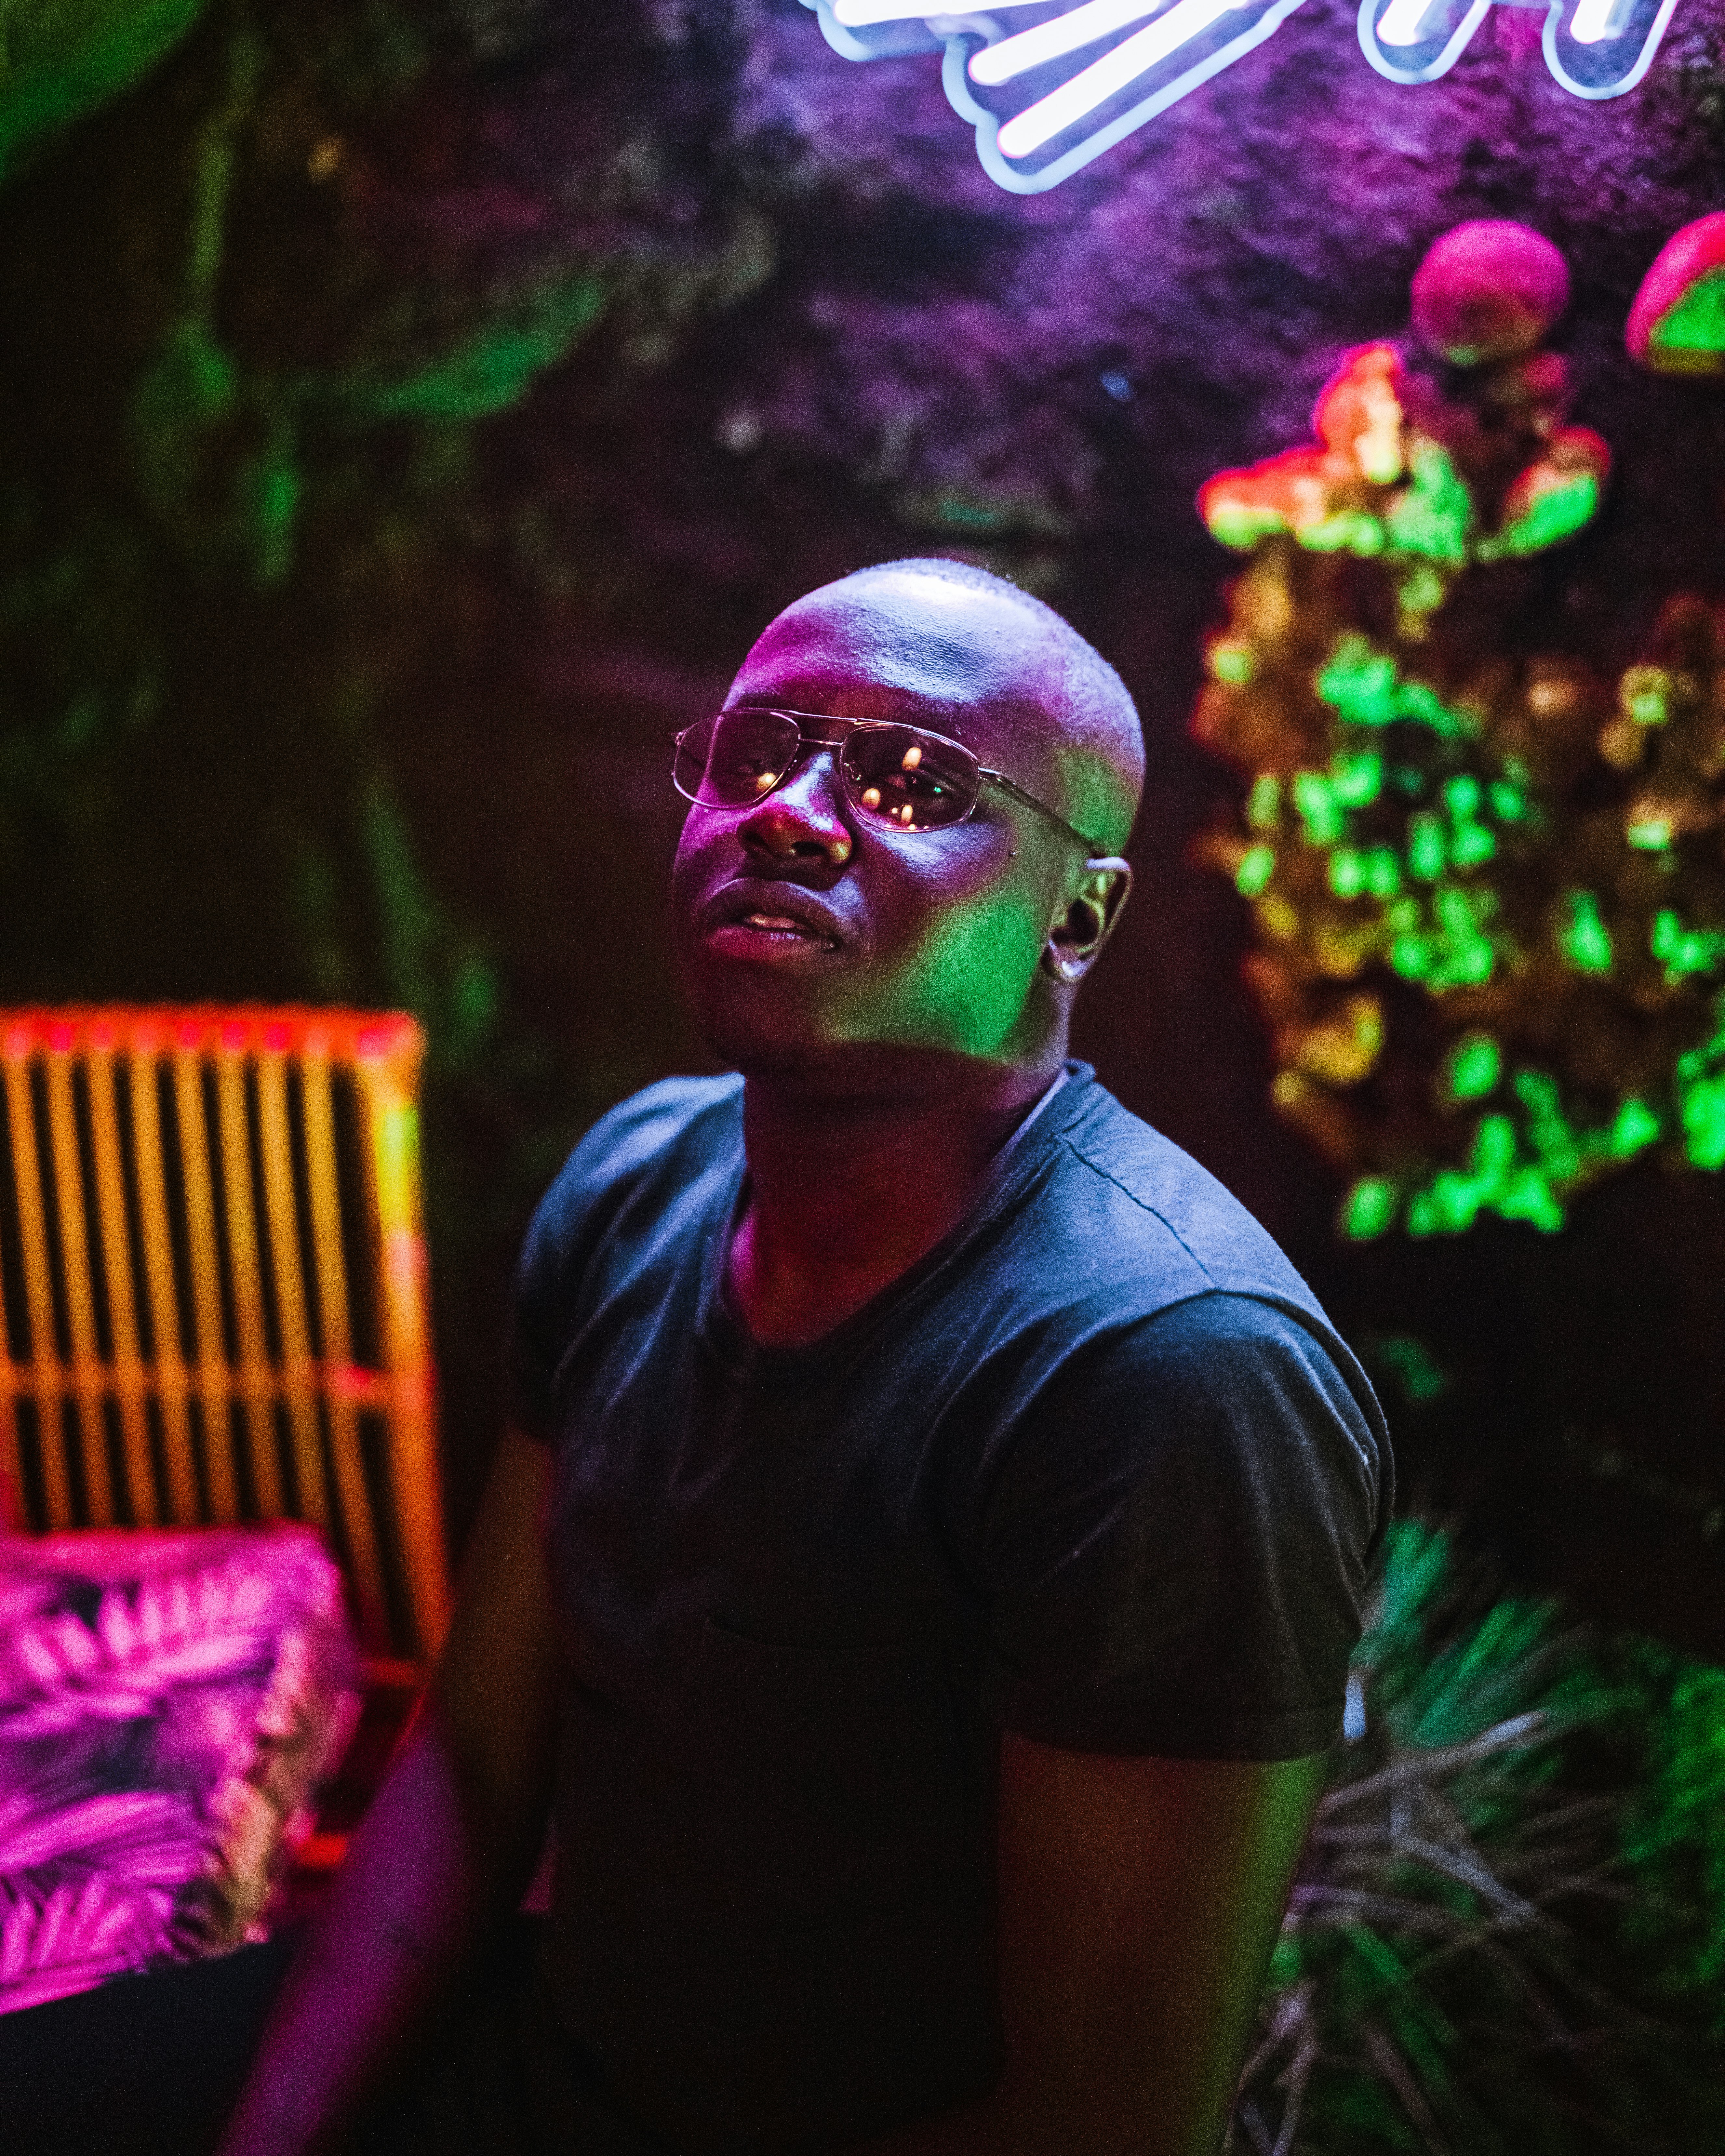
(801, 820)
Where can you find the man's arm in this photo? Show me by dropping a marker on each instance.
(448, 1844)
(1139, 1902)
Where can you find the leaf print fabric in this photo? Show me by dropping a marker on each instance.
(170, 1705)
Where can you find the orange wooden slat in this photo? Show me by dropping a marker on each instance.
(330, 1270)
(167, 1361)
(87, 1374)
(384, 1050)
(127, 1366)
(387, 1092)
(205, 1255)
(244, 1270)
(44, 1366)
(33, 1256)
(299, 1379)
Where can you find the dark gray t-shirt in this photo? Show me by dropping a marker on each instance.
(1097, 1469)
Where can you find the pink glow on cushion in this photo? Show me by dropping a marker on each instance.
(169, 1704)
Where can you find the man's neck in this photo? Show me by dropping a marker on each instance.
(849, 1190)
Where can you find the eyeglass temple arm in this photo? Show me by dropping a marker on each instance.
(1008, 786)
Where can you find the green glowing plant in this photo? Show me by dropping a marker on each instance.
(1509, 1923)
(63, 58)
(1489, 884)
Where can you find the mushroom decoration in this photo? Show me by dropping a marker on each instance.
(1488, 880)
(1677, 323)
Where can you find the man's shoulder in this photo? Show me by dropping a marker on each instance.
(1157, 1218)
(661, 1141)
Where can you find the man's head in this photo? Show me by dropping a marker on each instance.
(809, 930)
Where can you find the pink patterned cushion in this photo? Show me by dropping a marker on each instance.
(169, 1705)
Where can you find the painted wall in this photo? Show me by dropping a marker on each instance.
(407, 416)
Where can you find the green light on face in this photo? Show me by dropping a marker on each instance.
(1368, 1209)
(1263, 804)
(1231, 661)
(1384, 874)
(1413, 957)
(1651, 835)
(1471, 844)
(1582, 937)
(1472, 1067)
(1256, 867)
(1509, 805)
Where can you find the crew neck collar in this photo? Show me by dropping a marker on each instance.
(1011, 1170)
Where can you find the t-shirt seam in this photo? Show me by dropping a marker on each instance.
(1155, 1212)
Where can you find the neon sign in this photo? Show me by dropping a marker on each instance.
(1048, 84)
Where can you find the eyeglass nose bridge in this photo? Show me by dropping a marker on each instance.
(808, 748)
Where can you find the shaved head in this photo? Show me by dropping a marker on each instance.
(1036, 659)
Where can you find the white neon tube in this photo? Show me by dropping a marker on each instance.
(1051, 116)
(1400, 23)
(1049, 41)
(858, 14)
(1596, 19)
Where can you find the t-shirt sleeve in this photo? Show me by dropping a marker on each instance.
(648, 1153)
(1176, 1545)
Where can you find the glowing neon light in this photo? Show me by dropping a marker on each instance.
(1045, 100)
(860, 14)
(1054, 39)
(1595, 48)
(1036, 123)
(1076, 99)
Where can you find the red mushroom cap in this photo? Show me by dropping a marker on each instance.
(1677, 323)
(1488, 289)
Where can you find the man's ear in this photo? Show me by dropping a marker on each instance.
(1091, 911)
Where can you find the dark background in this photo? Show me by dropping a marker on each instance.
(408, 415)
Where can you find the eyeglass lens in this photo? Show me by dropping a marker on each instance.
(897, 776)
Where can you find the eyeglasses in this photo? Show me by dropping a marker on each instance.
(903, 778)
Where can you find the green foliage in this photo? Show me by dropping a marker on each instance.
(1534, 849)
(495, 364)
(61, 58)
(1674, 1836)
(1507, 1931)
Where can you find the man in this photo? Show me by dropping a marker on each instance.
(925, 1560)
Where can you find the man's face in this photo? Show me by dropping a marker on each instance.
(803, 929)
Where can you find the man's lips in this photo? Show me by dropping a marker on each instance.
(755, 914)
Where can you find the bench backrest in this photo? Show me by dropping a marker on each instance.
(214, 1283)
